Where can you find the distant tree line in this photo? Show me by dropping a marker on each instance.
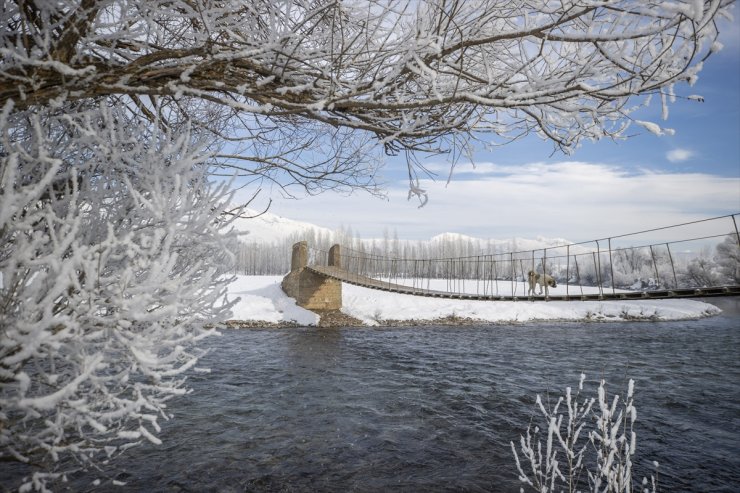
(273, 257)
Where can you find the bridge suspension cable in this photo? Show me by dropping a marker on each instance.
(680, 264)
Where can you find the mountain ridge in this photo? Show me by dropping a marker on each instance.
(269, 228)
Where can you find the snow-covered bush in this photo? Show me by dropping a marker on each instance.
(594, 442)
(112, 246)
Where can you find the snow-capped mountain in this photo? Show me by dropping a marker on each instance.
(271, 228)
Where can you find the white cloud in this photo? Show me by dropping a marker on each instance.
(730, 35)
(678, 155)
(573, 200)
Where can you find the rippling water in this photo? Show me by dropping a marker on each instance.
(434, 408)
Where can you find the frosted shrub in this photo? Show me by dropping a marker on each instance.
(111, 254)
(595, 438)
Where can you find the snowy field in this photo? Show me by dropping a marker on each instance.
(263, 300)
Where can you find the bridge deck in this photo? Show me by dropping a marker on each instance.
(369, 282)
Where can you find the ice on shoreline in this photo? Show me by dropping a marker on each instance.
(262, 300)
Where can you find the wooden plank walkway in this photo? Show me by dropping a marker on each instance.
(369, 282)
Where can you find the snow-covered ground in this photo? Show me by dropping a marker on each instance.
(263, 300)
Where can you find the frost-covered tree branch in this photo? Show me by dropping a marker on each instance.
(415, 75)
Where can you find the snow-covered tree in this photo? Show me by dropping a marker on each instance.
(111, 248)
(700, 272)
(324, 82)
(728, 258)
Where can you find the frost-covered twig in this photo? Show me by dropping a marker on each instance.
(605, 429)
(546, 469)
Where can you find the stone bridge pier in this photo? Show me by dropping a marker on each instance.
(310, 290)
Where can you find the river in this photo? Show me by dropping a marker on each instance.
(434, 408)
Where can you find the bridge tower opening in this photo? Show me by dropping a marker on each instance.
(310, 290)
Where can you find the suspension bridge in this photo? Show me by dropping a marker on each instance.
(698, 259)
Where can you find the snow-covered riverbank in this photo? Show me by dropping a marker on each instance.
(262, 300)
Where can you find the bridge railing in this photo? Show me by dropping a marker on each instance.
(696, 254)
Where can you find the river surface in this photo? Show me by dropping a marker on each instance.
(435, 408)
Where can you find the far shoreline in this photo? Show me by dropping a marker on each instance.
(338, 319)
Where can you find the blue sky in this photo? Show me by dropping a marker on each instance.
(603, 189)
